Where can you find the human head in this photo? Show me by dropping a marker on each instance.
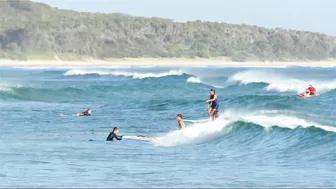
(212, 92)
(179, 116)
(310, 85)
(89, 111)
(115, 130)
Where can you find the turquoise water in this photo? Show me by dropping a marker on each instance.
(265, 137)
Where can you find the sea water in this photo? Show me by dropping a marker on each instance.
(265, 136)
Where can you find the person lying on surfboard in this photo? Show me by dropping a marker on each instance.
(180, 121)
(86, 113)
(311, 89)
(113, 135)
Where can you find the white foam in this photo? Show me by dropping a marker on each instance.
(198, 80)
(196, 133)
(135, 75)
(200, 132)
(281, 83)
(7, 88)
(194, 80)
(269, 119)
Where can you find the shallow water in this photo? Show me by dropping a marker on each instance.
(265, 137)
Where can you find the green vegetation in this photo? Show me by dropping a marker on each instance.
(35, 30)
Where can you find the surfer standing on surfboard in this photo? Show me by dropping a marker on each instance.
(214, 103)
(209, 103)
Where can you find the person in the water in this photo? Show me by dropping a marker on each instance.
(210, 103)
(311, 90)
(86, 113)
(113, 135)
(214, 103)
(180, 121)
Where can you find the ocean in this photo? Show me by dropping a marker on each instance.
(265, 136)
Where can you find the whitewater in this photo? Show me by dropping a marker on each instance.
(265, 136)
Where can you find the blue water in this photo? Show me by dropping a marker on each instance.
(265, 137)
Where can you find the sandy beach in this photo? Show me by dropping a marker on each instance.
(161, 62)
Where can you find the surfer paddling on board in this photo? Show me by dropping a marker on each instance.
(310, 91)
(180, 121)
(86, 113)
(214, 103)
(113, 135)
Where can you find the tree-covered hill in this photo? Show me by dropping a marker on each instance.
(28, 28)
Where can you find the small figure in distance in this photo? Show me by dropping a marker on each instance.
(180, 121)
(88, 112)
(311, 89)
(214, 103)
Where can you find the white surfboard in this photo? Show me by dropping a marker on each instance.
(141, 138)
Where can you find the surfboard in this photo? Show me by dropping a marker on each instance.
(196, 121)
(306, 96)
(138, 138)
(141, 138)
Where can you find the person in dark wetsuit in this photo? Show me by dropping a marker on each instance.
(210, 103)
(113, 135)
(214, 103)
(86, 113)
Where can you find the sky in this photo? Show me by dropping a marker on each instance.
(309, 15)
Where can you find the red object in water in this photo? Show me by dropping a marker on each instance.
(311, 89)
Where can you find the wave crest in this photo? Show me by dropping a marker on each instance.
(134, 75)
(194, 80)
(201, 132)
(281, 83)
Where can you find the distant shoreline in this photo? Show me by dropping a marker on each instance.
(169, 62)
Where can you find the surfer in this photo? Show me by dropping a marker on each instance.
(214, 103)
(113, 135)
(86, 113)
(209, 103)
(180, 121)
(311, 90)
